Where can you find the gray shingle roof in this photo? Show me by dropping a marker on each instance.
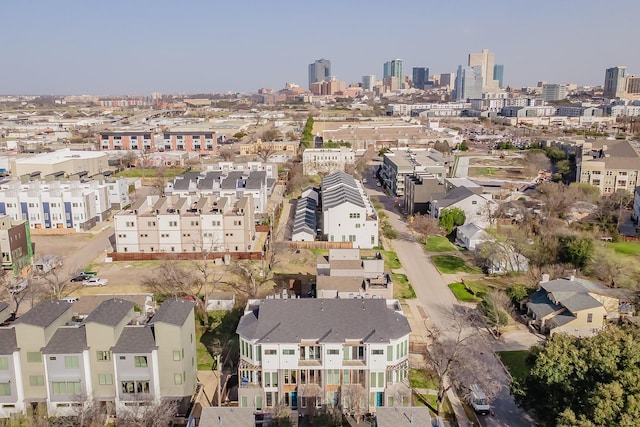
(541, 305)
(135, 339)
(454, 196)
(325, 320)
(110, 312)
(174, 311)
(3, 305)
(44, 313)
(8, 340)
(305, 216)
(67, 340)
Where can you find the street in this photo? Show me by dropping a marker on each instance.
(438, 300)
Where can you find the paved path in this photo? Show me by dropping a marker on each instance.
(438, 300)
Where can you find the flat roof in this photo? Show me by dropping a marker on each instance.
(61, 156)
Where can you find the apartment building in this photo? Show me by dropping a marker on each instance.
(271, 169)
(139, 140)
(202, 141)
(610, 165)
(114, 356)
(400, 163)
(316, 161)
(346, 353)
(174, 224)
(347, 212)
(233, 184)
(15, 244)
(73, 204)
(67, 160)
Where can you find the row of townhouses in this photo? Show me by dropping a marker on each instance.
(175, 224)
(15, 244)
(308, 354)
(200, 141)
(316, 161)
(114, 356)
(232, 184)
(73, 204)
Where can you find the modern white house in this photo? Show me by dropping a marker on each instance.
(347, 212)
(470, 235)
(476, 206)
(308, 354)
(322, 161)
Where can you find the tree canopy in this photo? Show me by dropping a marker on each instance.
(451, 218)
(585, 381)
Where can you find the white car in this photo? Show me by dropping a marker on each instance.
(95, 281)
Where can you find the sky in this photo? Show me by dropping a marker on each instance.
(136, 47)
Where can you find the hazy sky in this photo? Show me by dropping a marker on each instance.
(141, 46)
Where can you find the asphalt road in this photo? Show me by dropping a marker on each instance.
(438, 301)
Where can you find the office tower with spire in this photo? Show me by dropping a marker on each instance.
(319, 71)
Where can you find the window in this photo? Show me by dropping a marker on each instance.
(270, 379)
(333, 351)
(141, 361)
(288, 352)
(34, 356)
(5, 389)
(589, 317)
(173, 223)
(68, 387)
(103, 356)
(71, 362)
(129, 387)
(290, 376)
(389, 353)
(177, 379)
(105, 379)
(312, 352)
(4, 363)
(378, 352)
(333, 376)
(36, 380)
(270, 352)
(354, 215)
(177, 356)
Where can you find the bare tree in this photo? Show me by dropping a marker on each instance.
(173, 278)
(452, 354)
(535, 161)
(160, 180)
(127, 159)
(295, 179)
(425, 226)
(291, 135)
(9, 291)
(265, 150)
(557, 198)
(55, 282)
(498, 308)
(272, 134)
(153, 414)
(226, 154)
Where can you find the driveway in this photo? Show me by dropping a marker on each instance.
(438, 300)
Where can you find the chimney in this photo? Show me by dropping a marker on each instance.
(545, 278)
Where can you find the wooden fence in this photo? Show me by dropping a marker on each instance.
(320, 245)
(164, 256)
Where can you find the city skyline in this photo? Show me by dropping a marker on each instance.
(200, 47)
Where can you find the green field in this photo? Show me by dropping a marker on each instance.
(516, 362)
(421, 378)
(150, 172)
(391, 261)
(450, 264)
(625, 248)
(462, 294)
(402, 289)
(439, 244)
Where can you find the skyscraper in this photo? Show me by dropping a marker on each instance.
(615, 80)
(485, 60)
(498, 74)
(368, 82)
(319, 71)
(393, 68)
(468, 83)
(420, 77)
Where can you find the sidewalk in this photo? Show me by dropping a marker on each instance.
(417, 320)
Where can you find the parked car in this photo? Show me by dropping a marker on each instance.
(479, 400)
(19, 286)
(80, 278)
(70, 300)
(89, 273)
(95, 281)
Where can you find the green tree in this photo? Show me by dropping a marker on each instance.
(518, 292)
(451, 218)
(585, 381)
(575, 250)
(463, 146)
(307, 133)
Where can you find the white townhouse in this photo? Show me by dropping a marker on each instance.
(348, 215)
(308, 354)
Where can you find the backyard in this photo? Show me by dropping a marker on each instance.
(515, 362)
(451, 264)
(438, 244)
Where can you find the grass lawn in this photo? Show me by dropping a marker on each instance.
(422, 378)
(391, 261)
(625, 248)
(462, 294)
(402, 289)
(439, 244)
(205, 361)
(515, 361)
(449, 264)
(431, 401)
